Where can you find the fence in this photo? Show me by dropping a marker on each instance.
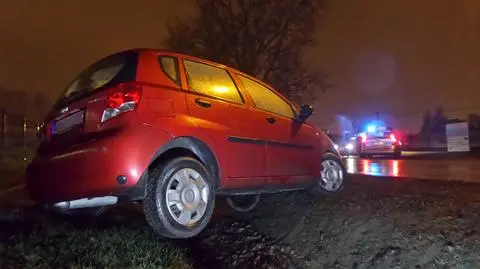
(17, 131)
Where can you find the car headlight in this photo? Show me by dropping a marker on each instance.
(349, 146)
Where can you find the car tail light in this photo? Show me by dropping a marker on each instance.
(393, 138)
(121, 99)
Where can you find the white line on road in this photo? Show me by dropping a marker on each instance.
(413, 153)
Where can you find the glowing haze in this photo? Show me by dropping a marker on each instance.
(397, 57)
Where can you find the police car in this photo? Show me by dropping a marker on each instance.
(379, 140)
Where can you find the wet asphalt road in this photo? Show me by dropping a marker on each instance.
(451, 168)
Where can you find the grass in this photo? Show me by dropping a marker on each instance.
(10, 164)
(122, 239)
(13, 162)
(48, 242)
(15, 158)
(11, 178)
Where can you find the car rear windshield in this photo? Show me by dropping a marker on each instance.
(117, 68)
(381, 134)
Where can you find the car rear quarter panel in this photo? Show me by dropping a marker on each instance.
(163, 107)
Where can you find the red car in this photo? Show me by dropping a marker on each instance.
(172, 131)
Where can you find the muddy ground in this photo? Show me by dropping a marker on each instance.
(375, 223)
(380, 223)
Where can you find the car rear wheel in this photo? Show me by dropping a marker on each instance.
(243, 203)
(180, 198)
(332, 177)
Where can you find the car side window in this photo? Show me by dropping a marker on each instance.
(212, 81)
(169, 66)
(266, 99)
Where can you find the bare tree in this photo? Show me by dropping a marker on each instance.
(263, 38)
(427, 123)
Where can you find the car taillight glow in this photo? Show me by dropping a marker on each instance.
(364, 139)
(121, 99)
(393, 138)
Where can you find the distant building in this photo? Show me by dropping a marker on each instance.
(37, 106)
(14, 102)
(33, 106)
(474, 121)
(20, 115)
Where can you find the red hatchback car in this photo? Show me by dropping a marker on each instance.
(172, 131)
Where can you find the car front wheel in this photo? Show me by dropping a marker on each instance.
(332, 177)
(180, 198)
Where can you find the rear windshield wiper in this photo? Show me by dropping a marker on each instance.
(75, 95)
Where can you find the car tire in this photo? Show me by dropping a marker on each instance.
(333, 177)
(243, 203)
(180, 198)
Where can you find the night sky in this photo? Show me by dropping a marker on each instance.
(396, 57)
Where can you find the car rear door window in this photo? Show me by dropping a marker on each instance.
(266, 99)
(169, 66)
(212, 81)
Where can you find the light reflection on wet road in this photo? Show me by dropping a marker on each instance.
(459, 169)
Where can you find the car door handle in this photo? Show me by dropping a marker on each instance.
(203, 103)
(271, 120)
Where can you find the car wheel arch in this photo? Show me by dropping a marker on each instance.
(331, 151)
(184, 146)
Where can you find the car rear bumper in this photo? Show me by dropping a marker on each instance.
(379, 150)
(109, 166)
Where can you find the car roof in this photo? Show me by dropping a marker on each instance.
(172, 53)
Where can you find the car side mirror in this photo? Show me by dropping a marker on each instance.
(305, 112)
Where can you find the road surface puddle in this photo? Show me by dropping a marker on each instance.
(466, 170)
